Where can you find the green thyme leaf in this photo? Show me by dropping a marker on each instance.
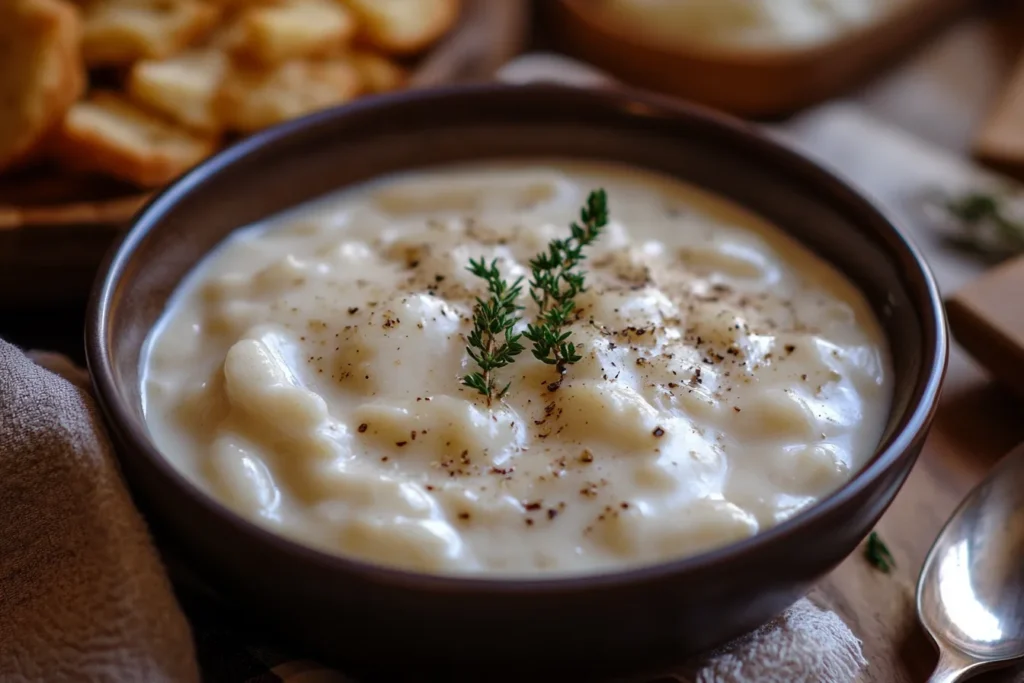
(985, 223)
(878, 555)
(493, 342)
(556, 280)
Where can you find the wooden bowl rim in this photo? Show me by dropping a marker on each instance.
(757, 56)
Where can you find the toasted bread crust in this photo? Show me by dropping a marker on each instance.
(119, 32)
(110, 135)
(42, 76)
(182, 88)
(253, 99)
(188, 71)
(377, 73)
(293, 29)
(386, 25)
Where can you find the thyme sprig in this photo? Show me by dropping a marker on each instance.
(556, 281)
(989, 226)
(878, 555)
(987, 221)
(493, 342)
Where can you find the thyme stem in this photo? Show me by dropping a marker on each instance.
(555, 282)
(493, 344)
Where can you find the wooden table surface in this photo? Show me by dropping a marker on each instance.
(940, 95)
(899, 137)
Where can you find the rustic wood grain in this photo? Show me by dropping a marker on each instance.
(986, 319)
(82, 214)
(944, 97)
(1001, 140)
(977, 422)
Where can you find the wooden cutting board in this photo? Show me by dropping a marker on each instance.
(56, 227)
(1000, 141)
(987, 320)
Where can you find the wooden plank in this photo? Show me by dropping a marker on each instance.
(987, 320)
(977, 421)
(977, 424)
(1001, 139)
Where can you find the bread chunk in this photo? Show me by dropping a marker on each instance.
(109, 134)
(41, 72)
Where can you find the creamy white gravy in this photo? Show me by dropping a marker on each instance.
(746, 23)
(306, 374)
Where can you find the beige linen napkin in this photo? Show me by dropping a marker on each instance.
(83, 596)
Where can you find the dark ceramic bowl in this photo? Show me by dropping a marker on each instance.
(384, 619)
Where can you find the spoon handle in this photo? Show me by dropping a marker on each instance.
(951, 668)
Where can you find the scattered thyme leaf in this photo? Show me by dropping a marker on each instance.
(555, 282)
(985, 223)
(878, 555)
(493, 343)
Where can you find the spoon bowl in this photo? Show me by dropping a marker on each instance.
(970, 594)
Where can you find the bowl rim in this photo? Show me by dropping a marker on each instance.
(750, 56)
(628, 103)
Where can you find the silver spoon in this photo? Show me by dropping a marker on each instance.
(970, 595)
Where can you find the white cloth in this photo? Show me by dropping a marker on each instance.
(805, 645)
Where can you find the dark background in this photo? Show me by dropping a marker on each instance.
(50, 328)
